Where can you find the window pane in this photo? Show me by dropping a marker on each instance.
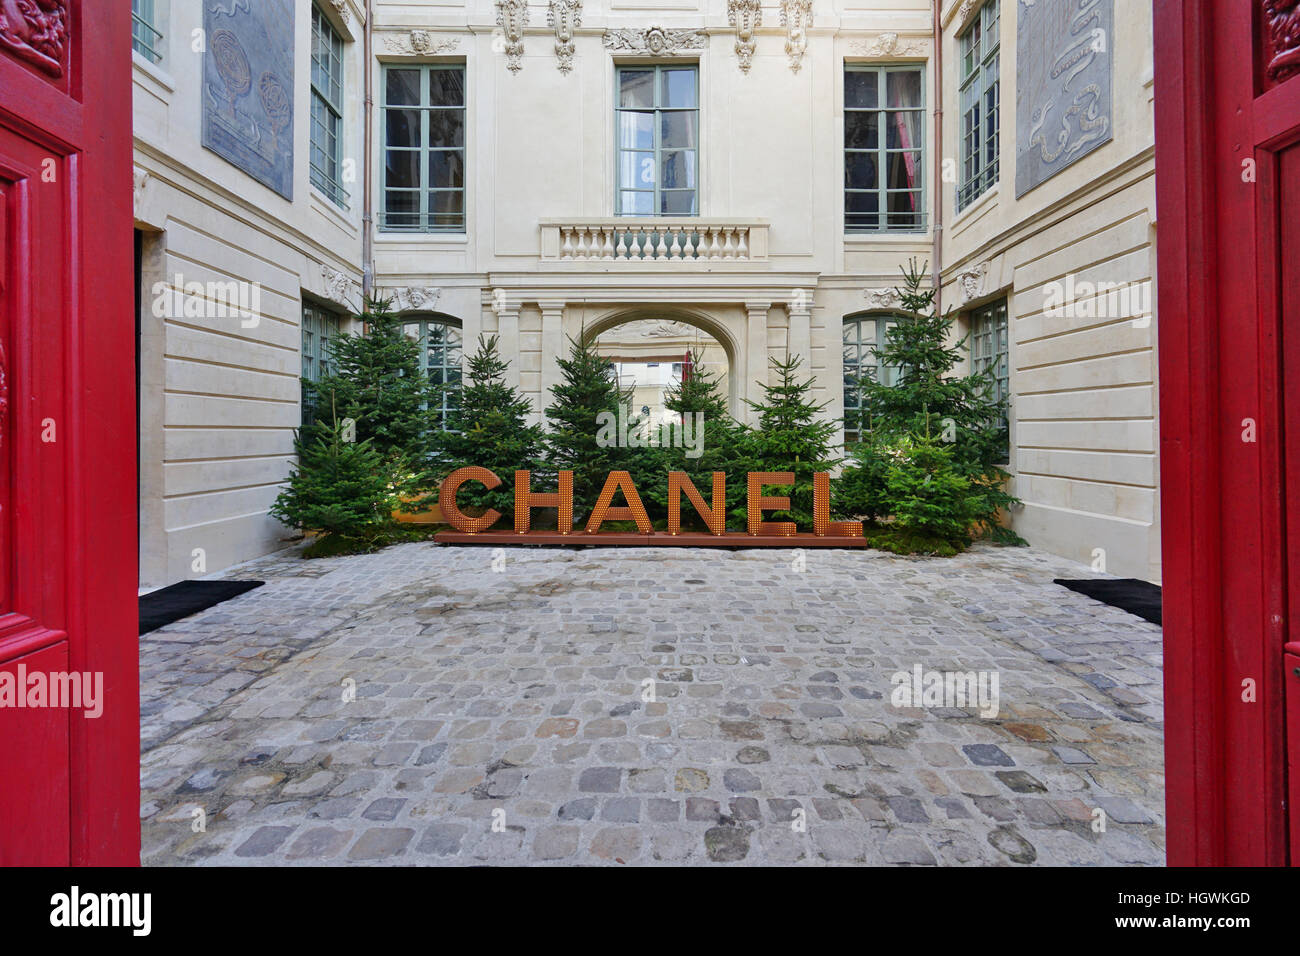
(447, 168)
(903, 88)
(401, 209)
(447, 206)
(403, 169)
(860, 171)
(403, 127)
(636, 88)
(636, 130)
(861, 130)
(860, 89)
(403, 87)
(677, 129)
(903, 130)
(677, 202)
(637, 203)
(678, 169)
(637, 170)
(903, 171)
(446, 128)
(863, 202)
(677, 88)
(446, 88)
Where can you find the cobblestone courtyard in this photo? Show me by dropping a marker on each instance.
(499, 714)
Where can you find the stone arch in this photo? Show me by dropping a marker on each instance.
(728, 334)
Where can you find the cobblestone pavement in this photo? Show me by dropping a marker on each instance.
(501, 717)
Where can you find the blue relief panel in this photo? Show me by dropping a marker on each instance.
(1063, 88)
(248, 87)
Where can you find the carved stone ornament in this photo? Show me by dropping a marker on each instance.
(655, 41)
(796, 17)
(341, 8)
(419, 43)
(512, 17)
(410, 298)
(140, 178)
(745, 17)
(341, 287)
(882, 298)
(564, 16)
(35, 31)
(973, 280)
(889, 44)
(1282, 17)
(964, 14)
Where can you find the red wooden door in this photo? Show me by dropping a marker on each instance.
(69, 780)
(1228, 192)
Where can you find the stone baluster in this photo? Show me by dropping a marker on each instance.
(661, 250)
(715, 249)
(620, 251)
(742, 245)
(728, 250)
(566, 249)
(608, 248)
(675, 250)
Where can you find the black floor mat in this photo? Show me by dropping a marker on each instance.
(184, 598)
(1128, 594)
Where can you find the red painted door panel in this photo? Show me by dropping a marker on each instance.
(35, 811)
(69, 783)
(1228, 191)
(1293, 741)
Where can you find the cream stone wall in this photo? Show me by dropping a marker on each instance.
(537, 264)
(1084, 395)
(220, 394)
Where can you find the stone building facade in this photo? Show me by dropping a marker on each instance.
(756, 170)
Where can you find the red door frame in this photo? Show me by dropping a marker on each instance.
(70, 536)
(1219, 129)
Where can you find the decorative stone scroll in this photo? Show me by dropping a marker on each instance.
(655, 41)
(564, 16)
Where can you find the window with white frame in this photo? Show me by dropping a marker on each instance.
(424, 148)
(884, 114)
(319, 326)
(440, 359)
(657, 123)
(326, 107)
(990, 350)
(863, 334)
(146, 33)
(980, 88)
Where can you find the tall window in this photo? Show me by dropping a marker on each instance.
(884, 113)
(979, 105)
(319, 326)
(146, 38)
(440, 355)
(424, 149)
(990, 349)
(862, 335)
(657, 126)
(326, 107)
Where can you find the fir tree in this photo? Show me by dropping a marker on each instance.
(581, 439)
(377, 383)
(715, 434)
(339, 487)
(792, 435)
(929, 403)
(490, 429)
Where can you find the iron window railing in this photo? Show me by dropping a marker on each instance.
(145, 36)
(980, 105)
